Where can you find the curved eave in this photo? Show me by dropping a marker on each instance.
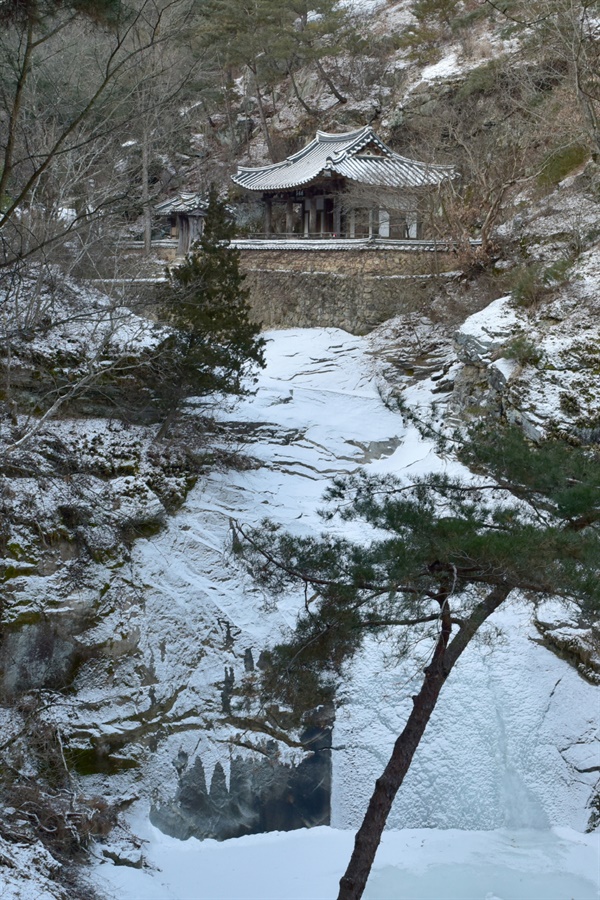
(393, 173)
(177, 205)
(261, 182)
(376, 172)
(302, 167)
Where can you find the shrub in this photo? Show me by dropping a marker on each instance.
(531, 281)
(66, 823)
(528, 285)
(524, 351)
(559, 163)
(482, 80)
(569, 403)
(556, 272)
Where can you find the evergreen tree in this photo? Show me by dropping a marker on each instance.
(215, 345)
(271, 39)
(453, 552)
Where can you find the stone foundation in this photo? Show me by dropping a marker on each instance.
(343, 286)
(351, 289)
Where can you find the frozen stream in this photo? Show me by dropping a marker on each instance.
(514, 743)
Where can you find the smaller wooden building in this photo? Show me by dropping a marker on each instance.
(184, 216)
(349, 185)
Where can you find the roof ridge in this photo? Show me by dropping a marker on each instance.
(341, 153)
(325, 137)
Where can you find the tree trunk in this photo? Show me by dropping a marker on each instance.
(298, 95)
(229, 82)
(368, 837)
(11, 127)
(147, 211)
(329, 82)
(162, 431)
(263, 118)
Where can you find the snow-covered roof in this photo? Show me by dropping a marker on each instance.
(357, 155)
(183, 202)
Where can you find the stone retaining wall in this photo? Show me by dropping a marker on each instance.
(352, 289)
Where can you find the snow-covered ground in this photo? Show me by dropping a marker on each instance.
(513, 746)
(415, 864)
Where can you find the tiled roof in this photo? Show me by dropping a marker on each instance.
(185, 201)
(347, 155)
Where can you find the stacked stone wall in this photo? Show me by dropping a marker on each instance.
(351, 289)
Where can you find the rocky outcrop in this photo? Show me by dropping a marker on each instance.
(579, 646)
(535, 366)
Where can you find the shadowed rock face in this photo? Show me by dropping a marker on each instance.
(42, 654)
(264, 794)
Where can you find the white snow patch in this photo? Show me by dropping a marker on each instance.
(447, 66)
(488, 329)
(366, 7)
(506, 710)
(505, 368)
(410, 865)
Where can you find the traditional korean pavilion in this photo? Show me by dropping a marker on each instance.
(349, 185)
(185, 213)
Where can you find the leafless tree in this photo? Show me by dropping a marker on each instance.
(68, 94)
(569, 30)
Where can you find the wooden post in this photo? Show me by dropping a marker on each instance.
(268, 226)
(337, 217)
(352, 223)
(193, 229)
(412, 224)
(184, 237)
(312, 218)
(289, 215)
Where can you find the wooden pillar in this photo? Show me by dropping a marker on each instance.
(183, 244)
(352, 223)
(337, 217)
(371, 223)
(268, 226)
(312, 217)
(289, 215)
(193, 229)
(412, 224)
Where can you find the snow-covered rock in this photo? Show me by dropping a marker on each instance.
(488, 330)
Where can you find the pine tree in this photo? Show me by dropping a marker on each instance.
(270, 39)
(453, 552)
(215, 345)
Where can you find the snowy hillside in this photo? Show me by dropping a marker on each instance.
(320, 390)
(515, 743)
